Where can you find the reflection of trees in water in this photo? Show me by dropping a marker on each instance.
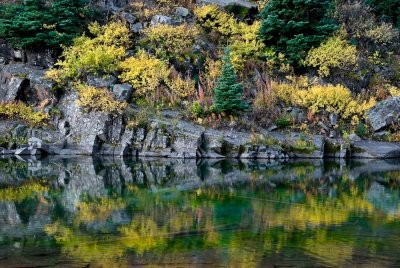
(244, 211)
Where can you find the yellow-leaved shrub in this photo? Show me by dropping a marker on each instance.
(98, 100)
(330, 98)
(180, 88)
(211, 18)
(20, 110)
(168, 41)
(145, 73)
(335, 52)
(100, 54)
(243, 37)
(333, 99)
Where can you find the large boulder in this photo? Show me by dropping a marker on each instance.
(384, 113)
(375, 149)
(21, 82)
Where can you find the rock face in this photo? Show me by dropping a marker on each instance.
(374, 149)
(21, 82)
(384, 113)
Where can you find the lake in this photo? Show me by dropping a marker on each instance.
(112, 212)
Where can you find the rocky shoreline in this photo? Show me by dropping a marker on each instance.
(75, 132)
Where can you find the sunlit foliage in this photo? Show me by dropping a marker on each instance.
(335, 53)
(100, 54)
(170, 42)
(20, 110)
(98, 100)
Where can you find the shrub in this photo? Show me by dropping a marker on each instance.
(180, 88)
(35, 24)
(361, 130)
(19, 110)
(211, 18)
(170, 42)
(197, 109)
(336, 52)
(284, 121)
(293, 27)
(145, 73)
(98, 100)
(243, 38)
(100, 54)
(333, 99)
(228, 92)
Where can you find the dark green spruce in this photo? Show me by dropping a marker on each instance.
(228, 94)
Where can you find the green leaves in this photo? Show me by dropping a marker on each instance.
(37, 25)
(292, 27)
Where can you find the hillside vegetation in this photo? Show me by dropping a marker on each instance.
(290, 63)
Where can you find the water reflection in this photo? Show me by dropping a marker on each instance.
(120, 212)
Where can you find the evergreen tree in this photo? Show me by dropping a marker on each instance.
(34, 24)
(228, 92)
(387, 10)
(293, 27)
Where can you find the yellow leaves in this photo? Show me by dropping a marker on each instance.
(212, 18)
(24, 112)
(18, 194)
(142, 234)
(180, 87)
(145, 73)
(170, 41)
(99, 55)
(243, 37)
(333, 99)
(99, 210)
(98, 99)
(333, 53)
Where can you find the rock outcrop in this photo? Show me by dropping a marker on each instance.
(384, 113)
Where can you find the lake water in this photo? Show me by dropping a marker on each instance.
(88, 212)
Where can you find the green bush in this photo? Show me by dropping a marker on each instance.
(284, 121)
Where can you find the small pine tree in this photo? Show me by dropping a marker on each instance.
(228, 92)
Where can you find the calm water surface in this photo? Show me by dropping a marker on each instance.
(85, 212)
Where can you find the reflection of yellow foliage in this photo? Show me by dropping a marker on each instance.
(20, 193)
(98, 210)
(313, 213)
(333, 253)
(92, 249)
(142, 235)
(242, 256)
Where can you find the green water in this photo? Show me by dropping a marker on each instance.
(84, 212)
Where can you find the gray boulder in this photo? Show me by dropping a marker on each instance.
(384, 113)
(160, 19)
(122, 92)
(181, 12)
(101, 82)
(224, 3)
(354, 137)
(136, 27)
